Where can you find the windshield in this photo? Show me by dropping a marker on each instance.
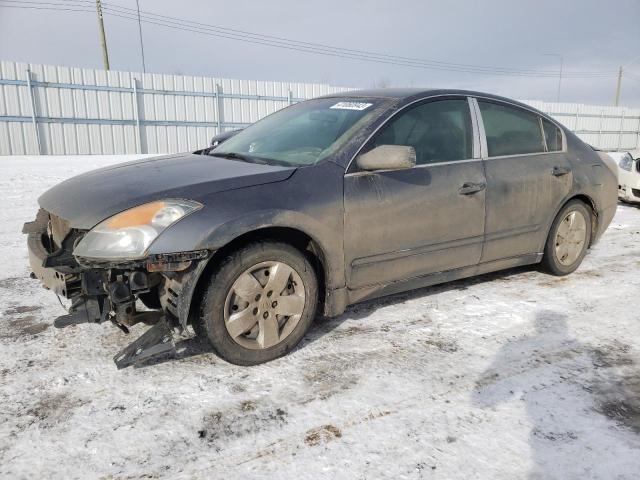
(303, 134)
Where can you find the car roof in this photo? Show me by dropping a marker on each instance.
(405, 93)
(410, 94)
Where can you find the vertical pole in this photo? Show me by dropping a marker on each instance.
(620, 132)
(290, 97)
(34, 116)
(619, 86)
(136, 112)
(218, 108)
(144, 68)
(600, 129)
(560, 77)
(103, 38)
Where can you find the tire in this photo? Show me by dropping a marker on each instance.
(557, 259)
(244, 289)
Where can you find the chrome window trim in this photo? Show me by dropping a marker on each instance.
(483, 140)
(403, 109)
(424, 165)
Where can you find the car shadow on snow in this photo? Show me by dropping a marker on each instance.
(324, 326)
(571, 393)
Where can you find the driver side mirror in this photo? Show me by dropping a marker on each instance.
(387, 157)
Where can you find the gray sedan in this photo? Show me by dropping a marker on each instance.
(318, 206)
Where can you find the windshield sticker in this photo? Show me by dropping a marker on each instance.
(351, 106)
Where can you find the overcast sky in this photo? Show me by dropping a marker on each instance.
(591, 35)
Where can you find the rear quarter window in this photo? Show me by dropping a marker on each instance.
(510, 130)
(552, 135)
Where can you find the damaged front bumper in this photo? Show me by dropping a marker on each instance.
(112, 291)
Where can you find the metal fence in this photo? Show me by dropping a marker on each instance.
(67, 111)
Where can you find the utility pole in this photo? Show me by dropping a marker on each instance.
(144, 68)
(103, 38)
(560, 75)
(619, 86)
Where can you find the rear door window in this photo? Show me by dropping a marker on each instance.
(510, 130)
(439, 131)
(552, 136)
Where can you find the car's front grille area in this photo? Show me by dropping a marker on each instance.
(635, 192)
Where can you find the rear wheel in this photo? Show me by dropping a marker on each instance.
(568, 239)
(259, 304)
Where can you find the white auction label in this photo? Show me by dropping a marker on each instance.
(351, 105)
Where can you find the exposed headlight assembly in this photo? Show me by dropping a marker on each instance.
(127, 235)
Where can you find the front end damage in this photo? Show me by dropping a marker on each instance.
(156, 290)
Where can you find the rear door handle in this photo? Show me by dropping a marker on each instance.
(469, 188)
(560, 171)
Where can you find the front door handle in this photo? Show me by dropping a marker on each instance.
(560, 171)
(469, 188)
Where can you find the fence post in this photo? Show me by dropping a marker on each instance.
(600, 129)
(218, 108)
(621, 130)
(136, 112)
(290, 97)
(34, 116)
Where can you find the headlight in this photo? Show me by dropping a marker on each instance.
(127, 235)
(626, 163)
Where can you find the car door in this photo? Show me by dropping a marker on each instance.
(528, 176)
(406, 223)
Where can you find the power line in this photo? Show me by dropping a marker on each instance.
(279, 42)
(125, 12)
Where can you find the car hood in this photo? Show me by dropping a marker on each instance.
(87, 199)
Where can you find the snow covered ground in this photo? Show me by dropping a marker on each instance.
(510, 375)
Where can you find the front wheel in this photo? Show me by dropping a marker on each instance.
(260, 302)
(568, 239)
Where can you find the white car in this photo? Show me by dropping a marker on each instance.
(628, 176)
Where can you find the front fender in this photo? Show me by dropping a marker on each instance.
(310, 201)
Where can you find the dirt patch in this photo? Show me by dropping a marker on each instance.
(326, 378)
(616, 388)
(322, 434)
(349, 332)
(448, 346)
(554, 436)
(24, 326)
(22, 309)
(247, 406)
(248, 418)
(624, 411)
(614, 355)
(10, 283)
(590, 273)
(52, 410)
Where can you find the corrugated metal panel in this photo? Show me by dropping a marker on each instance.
(83, 111)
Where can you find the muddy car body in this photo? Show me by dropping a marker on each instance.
(323, 204)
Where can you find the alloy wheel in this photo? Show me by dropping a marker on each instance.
(264, 305)
(570, 238)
